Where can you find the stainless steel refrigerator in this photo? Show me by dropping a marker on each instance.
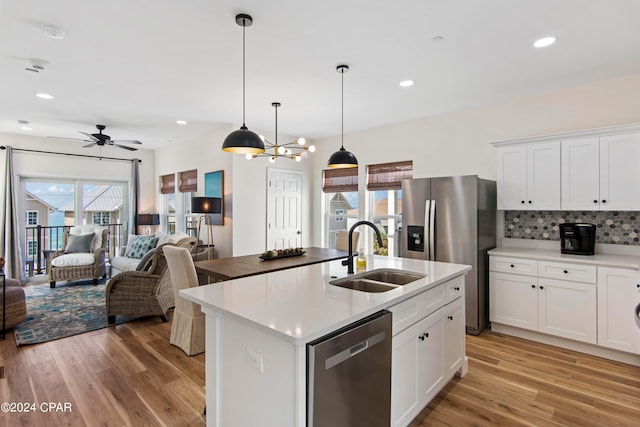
(453, 219)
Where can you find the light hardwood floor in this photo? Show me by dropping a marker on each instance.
(129, 375)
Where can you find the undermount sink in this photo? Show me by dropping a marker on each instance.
(381, 280)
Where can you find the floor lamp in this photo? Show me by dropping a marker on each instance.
(206, 206)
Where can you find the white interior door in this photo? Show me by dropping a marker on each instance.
(284, 209)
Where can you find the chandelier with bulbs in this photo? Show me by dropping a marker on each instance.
(295, 150)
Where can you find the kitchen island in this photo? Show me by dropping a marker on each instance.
(258, 328)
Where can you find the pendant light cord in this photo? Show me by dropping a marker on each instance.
(244, 27)
(342, 108)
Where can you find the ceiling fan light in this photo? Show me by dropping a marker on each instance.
(243, 141)
(342, 159)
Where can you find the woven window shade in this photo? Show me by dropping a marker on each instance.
(340, 180)
(388, 176)
(188, 181)
(168, 184)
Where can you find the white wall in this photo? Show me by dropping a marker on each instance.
(56, 166)
(244, 231)
(458, 143)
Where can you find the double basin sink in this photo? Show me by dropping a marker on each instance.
(380, 280)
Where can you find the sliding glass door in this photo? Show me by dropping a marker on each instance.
(52, 205)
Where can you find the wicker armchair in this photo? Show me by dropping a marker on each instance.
(144, 293)
(94, 268)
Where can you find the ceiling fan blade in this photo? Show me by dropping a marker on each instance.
(90, 145)
(125, 147)
(127, 141)
(70, 139)
(91, 137)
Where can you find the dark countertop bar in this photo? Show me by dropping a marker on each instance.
(251, 265)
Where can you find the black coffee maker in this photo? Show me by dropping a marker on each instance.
(577, 239)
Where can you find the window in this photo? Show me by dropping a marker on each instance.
(32, 249)
(168, 190)
(384, 194)
(341, 201)
(31, 218)
(101, 218)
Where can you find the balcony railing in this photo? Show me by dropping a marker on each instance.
(42, 240)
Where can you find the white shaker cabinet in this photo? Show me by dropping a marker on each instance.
(418, 367)
(428, 347)
(601, 173)
(618, 295)
(529, 176)
(540, 302)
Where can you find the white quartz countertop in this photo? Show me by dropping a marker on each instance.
(603, 260)
(299, 305)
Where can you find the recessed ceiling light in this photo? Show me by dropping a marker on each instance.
(545, 41)
(181, 122)
(25, 128)
(44, 95)
(407, 83)
(52, 31)
(437, 39)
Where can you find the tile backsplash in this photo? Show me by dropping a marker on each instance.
(618, 228)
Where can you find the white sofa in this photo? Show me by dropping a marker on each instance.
(122, 262)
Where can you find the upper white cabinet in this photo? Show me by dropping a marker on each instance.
(585, 170)
(601, 173)
(529, 177)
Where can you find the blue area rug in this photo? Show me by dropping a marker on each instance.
(68, 309)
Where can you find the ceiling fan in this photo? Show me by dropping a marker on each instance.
(100, 139)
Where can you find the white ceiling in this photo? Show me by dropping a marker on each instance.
(138, 66)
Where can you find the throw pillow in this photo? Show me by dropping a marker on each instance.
(140, 246)
(79, 243)
(145, 262)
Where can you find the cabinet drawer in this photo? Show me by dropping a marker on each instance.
(528, 267)
(454, 288)
(412, 310)
(567, 271)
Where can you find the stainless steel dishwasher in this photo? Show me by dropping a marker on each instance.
(349, 375)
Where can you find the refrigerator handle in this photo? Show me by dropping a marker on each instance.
(432, 231)
(427, 212)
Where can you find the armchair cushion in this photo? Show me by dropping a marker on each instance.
(79, 243)
(89, 229)
(145, 261)
(73, 260)
(140, 246)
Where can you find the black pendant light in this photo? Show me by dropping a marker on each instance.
(243, 141)
(342, 158)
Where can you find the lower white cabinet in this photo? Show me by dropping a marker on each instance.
(567, 309)
(417, 367)
(618, 296)
(427, 353)
(563, 308)
(454, 347)
(513, 300)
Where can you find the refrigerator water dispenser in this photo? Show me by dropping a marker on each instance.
(415, 238)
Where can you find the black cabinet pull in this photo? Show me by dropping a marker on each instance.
(530, 202)
(604, 201)
(512, 265)
(595, 201)
(566, 272)
(522, 201)
(450, 317)
(426, 334)
(541, 287)
(421, 337)
(533, 286)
